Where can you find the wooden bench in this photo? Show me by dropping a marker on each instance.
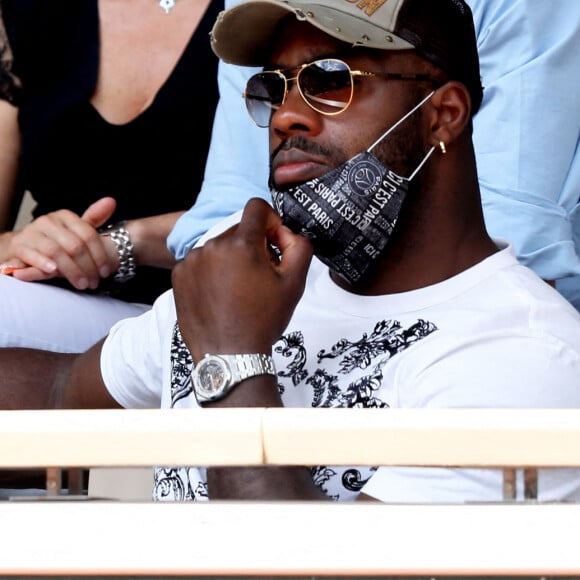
(87, 536)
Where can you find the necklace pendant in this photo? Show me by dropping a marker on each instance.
(167, 5)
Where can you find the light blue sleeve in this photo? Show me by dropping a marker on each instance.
(526, 134)
(237, 164)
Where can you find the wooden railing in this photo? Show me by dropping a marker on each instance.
(88, 537)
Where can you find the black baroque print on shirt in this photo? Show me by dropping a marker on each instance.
(353, 481)
(324, 386)
(181, 367)
(321, 475)
(293, 343)
(175, 484)
(334, 389)
(351, 478)
(360, 393)
(179, 483)
(388, 337)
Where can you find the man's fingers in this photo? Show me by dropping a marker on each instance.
(257, 218)
(295, 251)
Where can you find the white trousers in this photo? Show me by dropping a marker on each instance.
(36, 315)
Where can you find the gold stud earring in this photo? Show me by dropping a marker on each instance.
(442, 147)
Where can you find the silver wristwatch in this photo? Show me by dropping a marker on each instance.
(214, 376)
(125, 250)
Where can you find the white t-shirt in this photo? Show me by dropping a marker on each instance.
(493, 336)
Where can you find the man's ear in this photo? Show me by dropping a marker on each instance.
(452, 104)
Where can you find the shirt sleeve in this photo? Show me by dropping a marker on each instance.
(526, 133)
(135, 357)
(237, 164)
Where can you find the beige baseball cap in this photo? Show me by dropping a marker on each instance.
(441, 31)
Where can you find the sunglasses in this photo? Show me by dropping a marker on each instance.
(326, 85)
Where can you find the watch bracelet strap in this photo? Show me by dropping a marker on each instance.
(245, 366)
(125, 251)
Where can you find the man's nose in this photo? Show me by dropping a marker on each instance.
(295, 115)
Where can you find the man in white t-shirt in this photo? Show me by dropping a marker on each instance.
(372, 281)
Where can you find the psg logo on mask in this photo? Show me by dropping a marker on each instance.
(365, 176)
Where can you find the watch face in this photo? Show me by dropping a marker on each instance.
(212, 376)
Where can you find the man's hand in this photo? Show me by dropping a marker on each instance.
(235, 295)
(62, 244)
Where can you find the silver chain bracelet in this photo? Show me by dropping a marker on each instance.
(125, 250)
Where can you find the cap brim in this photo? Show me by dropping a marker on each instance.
(244, 34)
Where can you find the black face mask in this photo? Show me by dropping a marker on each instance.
(349, 213)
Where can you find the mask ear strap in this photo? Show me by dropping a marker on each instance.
(401, 120)
(429, 153)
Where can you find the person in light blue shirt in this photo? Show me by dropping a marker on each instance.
(237, 164)
(526, 134)
(526, 139)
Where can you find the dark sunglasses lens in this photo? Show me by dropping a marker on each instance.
(264, 92)
(326, 85)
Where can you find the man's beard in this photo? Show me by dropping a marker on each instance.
(403, 150)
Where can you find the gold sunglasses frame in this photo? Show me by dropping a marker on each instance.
(352, 74)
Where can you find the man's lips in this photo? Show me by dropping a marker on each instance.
(296, 166)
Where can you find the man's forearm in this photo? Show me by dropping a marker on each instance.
(36, 379)
(32, 379)
(262, 483)
(259, 483)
